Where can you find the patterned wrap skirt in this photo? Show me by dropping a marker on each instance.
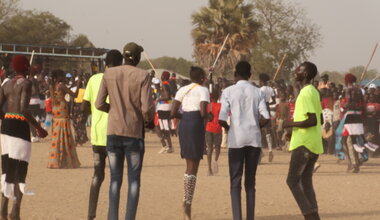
(192, 135)
(62, 153)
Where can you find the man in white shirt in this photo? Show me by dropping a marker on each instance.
(248, 111)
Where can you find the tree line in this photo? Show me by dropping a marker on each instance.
(261, 32)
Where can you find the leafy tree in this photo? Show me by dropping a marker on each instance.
(358, 70)
(8, 8)
(178, 65)
(338, 77)
(211, 26)
(32, 27)
(334, 76)
(285, 30)
(81, 40)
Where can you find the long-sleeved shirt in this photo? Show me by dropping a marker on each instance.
(130, 100)
(246, 104)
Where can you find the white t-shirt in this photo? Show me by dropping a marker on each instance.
(268, 93)
(192, 100)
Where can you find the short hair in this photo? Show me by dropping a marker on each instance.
(215, 95)
(55, 74)
(264, 77)
(196, 73)
(114, 57)
(311, 70)
(243, 69)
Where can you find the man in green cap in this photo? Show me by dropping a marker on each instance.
(130, 107)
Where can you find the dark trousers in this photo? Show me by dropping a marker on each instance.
(300, 179)
(100, 155)
(246, 158)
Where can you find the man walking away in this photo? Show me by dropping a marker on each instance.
(99, 122)
(246, 104)
(131, 106)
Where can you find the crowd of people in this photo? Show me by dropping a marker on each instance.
(306, 118)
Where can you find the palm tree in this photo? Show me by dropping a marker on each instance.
(211, 26)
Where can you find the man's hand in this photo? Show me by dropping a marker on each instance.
(287, 124)
(41, 133)
(225, 125)
(149, 124)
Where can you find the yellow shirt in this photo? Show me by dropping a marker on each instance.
(79, 98)
(99, 119)
(308, 101)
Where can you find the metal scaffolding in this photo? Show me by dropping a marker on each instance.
(45, 51)
(56, 51)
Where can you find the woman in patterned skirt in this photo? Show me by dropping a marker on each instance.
(62, 153)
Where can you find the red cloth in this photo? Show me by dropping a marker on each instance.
(292, 107)
(214, 126)
(156, 123)
(48, 105)
(372, 107)
(327, 102)
(20, 63)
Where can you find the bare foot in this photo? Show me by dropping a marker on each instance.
(270, 156)
(215, 167)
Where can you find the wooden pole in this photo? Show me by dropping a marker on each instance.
(369, 62)
(216, 60)
(279, 67)
(220, 51)
(372, 80)
(31, 58)
(150, 63)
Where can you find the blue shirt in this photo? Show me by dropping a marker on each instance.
(245, 103)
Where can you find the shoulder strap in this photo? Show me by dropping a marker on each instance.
(188, 91)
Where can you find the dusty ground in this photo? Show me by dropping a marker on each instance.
(63, 194)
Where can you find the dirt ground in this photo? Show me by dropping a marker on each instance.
(63, 194)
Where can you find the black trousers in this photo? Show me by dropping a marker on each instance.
(246, 158)
(100, 155)
(300, 179)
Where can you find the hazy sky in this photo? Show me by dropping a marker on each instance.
(350, 28)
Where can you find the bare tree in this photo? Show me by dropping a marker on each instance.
(284, 29)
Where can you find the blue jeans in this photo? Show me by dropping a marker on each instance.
(119, 148)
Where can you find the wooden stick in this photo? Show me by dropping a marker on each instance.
(31, 58)
(150, 63)
(216, 60)
(279, 67)
(372, 80)
(369, 62)
(220, 51)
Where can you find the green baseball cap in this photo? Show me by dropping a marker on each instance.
(132, 49)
